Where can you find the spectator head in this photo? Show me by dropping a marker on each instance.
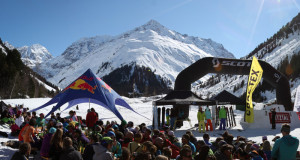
(67, 142)
(92, 109)
(156, 132)
(161, 157)
(98, 128)
(171, 133)
(52, 130)
(148, 132)
(130, 124)
(186, 153)
(185, 139)
(264, 138)
(147, 146)
(125, 154)
(123, 123)
(115, 127)
(266, 146)
(254, 147)
(110, 134)
(94, 138)
(221, 143)
(34, 113)
(241, 154)
(226, 149)
(32, 122)
(199, 144)
(167, 152)
(107, 142)
(119, 136)
(129, 135)
(159, 142)
(285, 129)
(59, 125)
(206, 136)
(25, 149)
(138, 137)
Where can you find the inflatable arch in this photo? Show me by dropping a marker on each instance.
(236, 67)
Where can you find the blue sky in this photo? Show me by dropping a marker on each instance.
(240, 25)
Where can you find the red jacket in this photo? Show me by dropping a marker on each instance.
(175, 149)
(91, 119)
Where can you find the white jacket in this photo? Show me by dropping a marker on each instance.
(19, 121)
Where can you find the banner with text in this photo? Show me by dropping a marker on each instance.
(253, 80)
(281, 117)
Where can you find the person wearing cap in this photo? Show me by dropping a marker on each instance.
(285, 147)
(201, 119)
(102, 151)
(46, 143)
(116, 148)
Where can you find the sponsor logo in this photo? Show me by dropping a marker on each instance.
(216, 63)
(105, 85)
(281, 117)
(81, 84)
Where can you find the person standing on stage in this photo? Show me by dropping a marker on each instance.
(208, 119)
(201, 119)
(222, 116)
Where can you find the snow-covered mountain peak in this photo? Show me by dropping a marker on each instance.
(34, 55)
(153, 25)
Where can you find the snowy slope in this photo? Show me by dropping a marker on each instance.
(152, 45)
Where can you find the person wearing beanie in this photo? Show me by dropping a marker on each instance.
(102, 151)
(116, 148)
(285, 147)
(46, 143)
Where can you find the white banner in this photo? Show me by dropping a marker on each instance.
(297, 100)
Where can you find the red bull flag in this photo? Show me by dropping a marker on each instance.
(88, 88)
(253, 80)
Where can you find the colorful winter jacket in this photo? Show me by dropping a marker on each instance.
(201, 116)
(207, 114)
(285, 148)
(222, 113)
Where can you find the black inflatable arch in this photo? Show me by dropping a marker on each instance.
(237, 67)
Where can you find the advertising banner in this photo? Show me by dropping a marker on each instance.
(253, 80)
(280, 117)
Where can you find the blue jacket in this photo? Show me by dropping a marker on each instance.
(207, 114)
(285, 148)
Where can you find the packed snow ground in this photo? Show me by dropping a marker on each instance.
(144, 106)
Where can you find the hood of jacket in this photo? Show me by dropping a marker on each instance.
(289, 140)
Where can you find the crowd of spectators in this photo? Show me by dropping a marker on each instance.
(75, 138)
